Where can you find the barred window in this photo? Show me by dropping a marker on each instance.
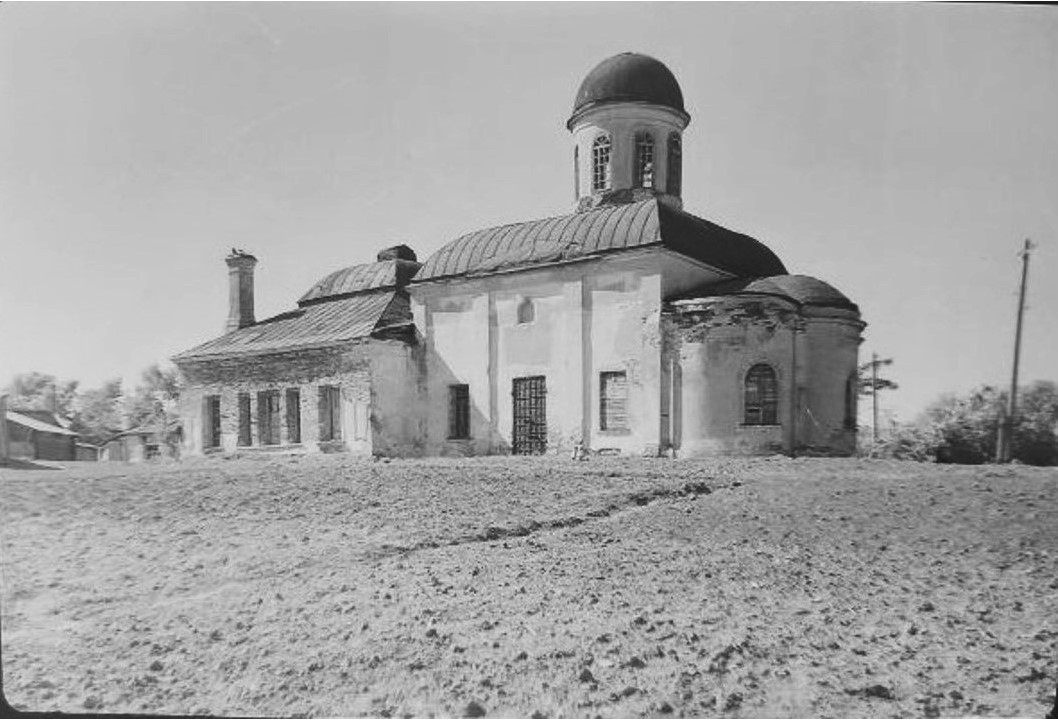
(762, 396)
(644, 160)
(458, 412)
(600, 163)
(330, 413)
(613, 401)
(212, 424)
(293, 415)
(675, 177)
(245, 428)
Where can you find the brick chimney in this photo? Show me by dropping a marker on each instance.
(240, 289)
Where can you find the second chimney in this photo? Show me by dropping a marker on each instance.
(240, 289)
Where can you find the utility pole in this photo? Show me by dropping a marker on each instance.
(876, 383)
(1006, 425)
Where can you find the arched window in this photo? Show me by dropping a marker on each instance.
(851, 392)
(600, 163)
(526, 311)
(674, 185)
(644, 160)
(576, 171)
(762, 396)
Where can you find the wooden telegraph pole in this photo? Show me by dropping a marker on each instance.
(1006, 426)
(873, 386)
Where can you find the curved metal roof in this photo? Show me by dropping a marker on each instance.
(629, 77)
(601, 230)
(355, 278)
(802, 289)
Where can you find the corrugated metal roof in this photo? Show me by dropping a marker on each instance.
(356, 278)
(38, 425)
(603, 229)
(321, 323)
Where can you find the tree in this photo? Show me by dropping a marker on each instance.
(38, 391)
(98, 413)
(152, 405)
(964, 429)
(1035, 437)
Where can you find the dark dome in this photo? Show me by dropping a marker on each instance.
(629, 77)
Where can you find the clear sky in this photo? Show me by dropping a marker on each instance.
(901, 152)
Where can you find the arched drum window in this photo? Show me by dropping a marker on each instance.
(761, 396)
(600, 163)
(674, 183)
(644, 160)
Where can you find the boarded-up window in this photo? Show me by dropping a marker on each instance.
(458, 412)
(293, 415)
(762, 396)
(613, 401)
(212, 421)
(268, 417)
(245, 430)
(330, 413)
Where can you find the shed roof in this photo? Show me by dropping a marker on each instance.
(323, 323)
(601, 230)
(34, 424)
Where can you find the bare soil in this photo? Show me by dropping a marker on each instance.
(333, 586)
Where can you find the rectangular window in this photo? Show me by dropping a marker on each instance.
(458, 412)
(245, 430)
(212, 424)
(268, 417)
(293, 415)
(330, 413)
(613, 401)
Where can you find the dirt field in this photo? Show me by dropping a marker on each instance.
(331, 586)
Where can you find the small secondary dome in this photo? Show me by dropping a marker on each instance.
(629, 77)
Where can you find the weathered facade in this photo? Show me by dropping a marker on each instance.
(627, 326)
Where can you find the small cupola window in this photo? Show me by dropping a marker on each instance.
(600, 163)
(644, 160)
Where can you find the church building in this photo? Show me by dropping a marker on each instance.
(626, 326)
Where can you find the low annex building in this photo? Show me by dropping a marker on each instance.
(628, 325)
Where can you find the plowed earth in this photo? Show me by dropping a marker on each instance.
(329, 586)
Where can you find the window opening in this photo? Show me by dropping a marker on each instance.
(330, 413)
(212, 421)
(675, 178)
(600, 163)
(644, 160)
(526, 311)
(293, 415)
(613, 401)
(458, 412)
(245, 430)
(762, 396)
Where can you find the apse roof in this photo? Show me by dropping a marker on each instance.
(356, 278)
(802, 289)
(602, 230)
